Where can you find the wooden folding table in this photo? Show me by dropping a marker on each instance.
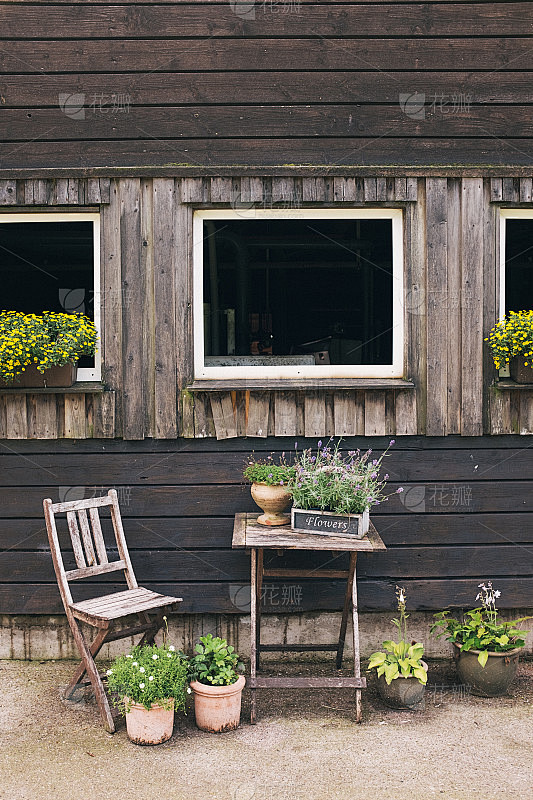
(247, 533)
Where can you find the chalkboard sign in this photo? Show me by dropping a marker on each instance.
(327, 523)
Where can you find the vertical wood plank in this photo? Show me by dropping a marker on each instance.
(381, 189)
(491, 290)
(221, 190)
(370, 190)
(16, 416)
(184, 334)
(453, 339)
(526, 413)
(314, 190)
(241, 411)
(285, 413)
(375, 413)
(93, 190)
(43, 413)
(416, 291)
(203, 419)
(329, 428)
(349, 413)
(75, 419)
(390, 412)
(61, 191)
(400, 189)
(472, 312)
(412, 188)
(165, 384)
(3, 422)
(283, 191)
(526, 190)
(223, 416)
(258, 414)
(8, 192)
(132, 324)
(104, 415)
(405, 412)
(193, 190)
(496, 189)
(256, 190)
(437, 302)
(343, 189)
(187, 406)
(315, 413)
(105, 190)
(111, 299)
(149, 310)
(245, 191)
(500, 411)
(511, 190)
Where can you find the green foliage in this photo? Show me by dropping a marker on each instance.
(150, 674)
(332, 481)
(215, 662)
(481, 629)
(400, 659)
(46, 340)
(267, 471)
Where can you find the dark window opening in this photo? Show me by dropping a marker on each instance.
(48, 266)
(519, 265)
(298, 291)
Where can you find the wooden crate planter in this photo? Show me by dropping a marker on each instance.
(329, 523)
(53, 378)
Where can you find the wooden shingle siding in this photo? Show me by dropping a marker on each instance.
(466, 512)
(206, 84)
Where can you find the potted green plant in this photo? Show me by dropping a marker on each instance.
(333, 492)
(486, 648)
(151, 683)
(42, 350)
(270, 488)
(216, 685)
(511, 343)
(401, 672)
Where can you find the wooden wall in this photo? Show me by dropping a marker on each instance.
(272, 84)
(451, 289)
(465, 516)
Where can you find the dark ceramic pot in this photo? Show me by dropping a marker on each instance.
(491, 680)
(406, 693)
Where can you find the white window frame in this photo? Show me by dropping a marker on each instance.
(394, 370)
(505, 214)
(83, 373)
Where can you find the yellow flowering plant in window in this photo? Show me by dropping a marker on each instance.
(512, 336)
(46, 340)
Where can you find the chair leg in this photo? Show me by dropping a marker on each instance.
(95, 648)
(93, 675)
(155, 626)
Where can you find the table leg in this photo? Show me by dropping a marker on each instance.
(356, 652)
(259, 583)
(346, 609)
(253, 628)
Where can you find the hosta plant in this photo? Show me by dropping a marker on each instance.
(400, 659)
(481, 629)
(215, 663)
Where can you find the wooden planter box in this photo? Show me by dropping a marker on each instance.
(328, 523)
(518, 370)
(53, 378)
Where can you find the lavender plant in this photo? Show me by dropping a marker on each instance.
(330, 480)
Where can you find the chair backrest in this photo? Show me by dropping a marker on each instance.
(87, 541)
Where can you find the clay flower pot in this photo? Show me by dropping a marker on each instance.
(149, 726)
(218, 708)
(407, 693)
(273, 500)
(491, 680)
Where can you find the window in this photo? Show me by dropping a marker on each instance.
(50, 262)
(516, 260)
(301, 293)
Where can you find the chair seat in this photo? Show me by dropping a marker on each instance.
(120, 604)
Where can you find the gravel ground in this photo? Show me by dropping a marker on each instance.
(305, 745)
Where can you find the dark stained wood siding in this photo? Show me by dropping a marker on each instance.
(195, 85)
(466, 515)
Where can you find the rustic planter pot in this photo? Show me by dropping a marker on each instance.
(218, 708)
(518, 370)
(149, 726)
(406, 693)
(328, 523)
(491, 680)
(52, 378)
(273, 500)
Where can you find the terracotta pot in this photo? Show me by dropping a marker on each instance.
(273, 500)
(407, 693)
(491, 680)
(518, 370)
(149, 726)
(218, 708)
(52, 378)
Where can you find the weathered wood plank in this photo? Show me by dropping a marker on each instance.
(223, 415)
(183, 281)
(415, 306)
(370, 190)
(75, 417)
(258, 414)
(203, 418)
(405, 409)
(165, 385)
(500, 411)
(472, 310)
(496, 189)
(315, 413)
(105, 426)
(526, 190)
(454, 305)
(8, 193)
(42, 416)
(526, 413)
(437, 304)
(349, 412)
(285, 413)
(112, 296)
(375, 413)
(16, 416)
(147, 313)
(511, 190)
(491, 291)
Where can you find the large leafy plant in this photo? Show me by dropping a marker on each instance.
(481, 629)
(345, 483)
(400, 659)
(150, 674)
(216, 663)
(47, 340)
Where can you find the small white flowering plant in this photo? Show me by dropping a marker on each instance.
(215, 662)
(481, 628)
(345, 483)
(150, 674)
(400, 659)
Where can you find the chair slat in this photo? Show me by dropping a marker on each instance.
(75, 539)
(76, 505)
(90, 555)
(98, 536)
(98, 569)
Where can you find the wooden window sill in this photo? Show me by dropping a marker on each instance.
(288, 384)
(80, 387)
(507, 383)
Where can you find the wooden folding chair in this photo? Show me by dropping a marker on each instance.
(101, 612)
